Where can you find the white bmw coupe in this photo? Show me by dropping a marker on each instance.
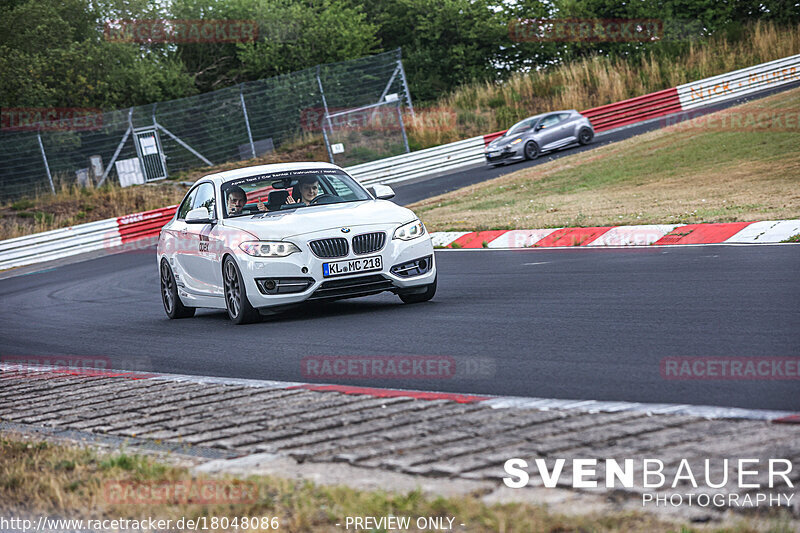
(265, 236)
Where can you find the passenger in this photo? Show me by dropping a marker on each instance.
(236, 200)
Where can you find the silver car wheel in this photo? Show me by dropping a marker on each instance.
(531, 150)
(233, 289)
(167, 288)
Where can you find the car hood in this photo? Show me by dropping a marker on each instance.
(283, 224)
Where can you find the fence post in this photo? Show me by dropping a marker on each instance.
(136, 144)
(405, 82)
(161, 152)
(325, 104)
(403, 128)
(46, 165)
(247, 123)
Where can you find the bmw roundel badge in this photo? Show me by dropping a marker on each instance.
(345, 230)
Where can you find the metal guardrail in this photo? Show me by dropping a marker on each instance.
(109, 234)
(739, 83)
(404, 167)
(696, 94)
(634, 110)
(59, 243)
(113, 233)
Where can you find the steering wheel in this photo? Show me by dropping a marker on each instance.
(318, 198)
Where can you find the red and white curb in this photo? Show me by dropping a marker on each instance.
(495, 402)
(766, 232)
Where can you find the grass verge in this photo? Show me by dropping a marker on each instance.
(39, 478)
(692, 172)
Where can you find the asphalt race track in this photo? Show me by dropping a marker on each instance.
(566, 323)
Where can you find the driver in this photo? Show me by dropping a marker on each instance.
(306, 189)
(236, 200)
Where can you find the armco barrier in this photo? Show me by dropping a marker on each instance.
(709, 91)
(634, 110)
(114, 232)
(739, 83)
(59, 243)
(421, 163)
(143, 225)
(64, 242)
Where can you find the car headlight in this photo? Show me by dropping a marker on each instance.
(268, 248)
(516, 141)
(409, 231)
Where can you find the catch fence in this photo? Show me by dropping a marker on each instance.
(345, 103)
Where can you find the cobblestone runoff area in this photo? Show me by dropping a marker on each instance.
(437, 438)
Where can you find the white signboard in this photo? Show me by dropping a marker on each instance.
(337, 148)
(129, 172)
(148, 145)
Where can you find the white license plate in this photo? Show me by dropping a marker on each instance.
(352, 266)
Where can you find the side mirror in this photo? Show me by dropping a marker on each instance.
(540, 127)
(198, 216)
(382, 192)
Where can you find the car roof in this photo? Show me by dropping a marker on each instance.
(547, 113)
(228, 175)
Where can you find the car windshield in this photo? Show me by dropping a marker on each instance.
(291, 189)
(521, 127)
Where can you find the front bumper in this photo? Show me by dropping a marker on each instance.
(302, 272)
(506, 153)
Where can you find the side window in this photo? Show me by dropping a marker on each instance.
(549, 121)
(563, 116)
(186, 206)
(205, 198)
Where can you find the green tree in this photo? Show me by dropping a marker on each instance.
(445, 42)
(55, 54)
(292, 36)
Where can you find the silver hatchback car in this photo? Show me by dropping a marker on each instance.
(541, 133)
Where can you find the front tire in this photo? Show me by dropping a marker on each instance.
(239, 309)
(531, 150)
(585, 136)
(169, 294)
(420, 297)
